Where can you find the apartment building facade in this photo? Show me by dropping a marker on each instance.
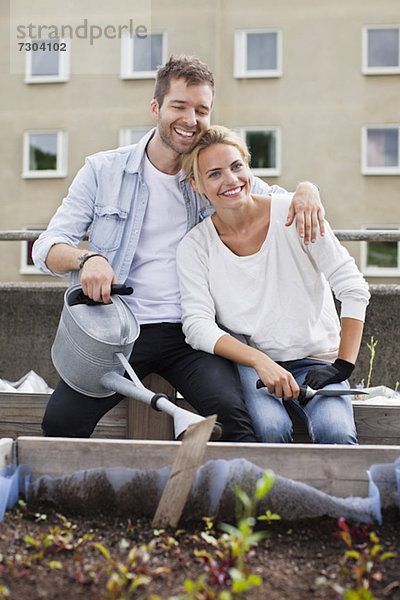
(314, 88)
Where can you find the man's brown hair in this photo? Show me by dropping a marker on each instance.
(190, 68)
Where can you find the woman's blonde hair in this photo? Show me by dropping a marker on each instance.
(217, 134)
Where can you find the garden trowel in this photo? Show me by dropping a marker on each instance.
(307, 393)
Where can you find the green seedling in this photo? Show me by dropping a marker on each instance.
(360, 561)
(269, 517)
(21, 509)
(130, 527)
(40, 517)
(165, 541)
(209, 524)
(14, 568)
(227, 576)
(371, 347)
(5, 593)
(124, 579)
(58, 539)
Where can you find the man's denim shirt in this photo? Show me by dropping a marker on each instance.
(108, 197)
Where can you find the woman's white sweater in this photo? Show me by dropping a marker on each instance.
(280, 298)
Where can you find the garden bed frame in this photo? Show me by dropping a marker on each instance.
(21, 415)
(135, 436)
(337, 470)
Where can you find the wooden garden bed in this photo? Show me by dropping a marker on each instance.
(133, 435)
(337, 470)
(21, 415)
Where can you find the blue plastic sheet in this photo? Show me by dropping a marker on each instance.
(135, 492)
(13, 481)
(138, 492)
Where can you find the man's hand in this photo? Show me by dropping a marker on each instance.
(96, 278)
(307, 208)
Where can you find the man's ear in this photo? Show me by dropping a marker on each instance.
(154, 109)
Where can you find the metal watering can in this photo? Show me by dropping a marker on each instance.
(91, 353)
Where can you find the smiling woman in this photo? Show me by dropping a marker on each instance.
(242, 270)
(224, 167)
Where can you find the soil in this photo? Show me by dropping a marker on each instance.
(291, 561)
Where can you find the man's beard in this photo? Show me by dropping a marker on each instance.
(166, 137)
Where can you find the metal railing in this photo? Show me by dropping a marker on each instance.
(344, 235)
(19, 236)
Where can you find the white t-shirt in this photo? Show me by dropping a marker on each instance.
(153, 273)
(279, 297)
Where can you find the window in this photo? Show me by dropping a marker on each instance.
(26, 264)
(48, 61)
(45, 154)
(131, 135)
(258, 53)
(380, 258)
(140, 56)
(380, 148)
(381, 50)
(264, 144)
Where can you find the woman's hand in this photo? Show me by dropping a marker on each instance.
(323, 375)
(279, 382)
(307, 208)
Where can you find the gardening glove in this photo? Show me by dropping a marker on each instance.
(319, 377)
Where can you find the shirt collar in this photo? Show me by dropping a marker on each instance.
(134, 162)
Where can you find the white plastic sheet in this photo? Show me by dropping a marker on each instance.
(31, 383)
(379, 395)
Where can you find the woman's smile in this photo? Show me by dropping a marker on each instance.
(233, 192)
(224, 175)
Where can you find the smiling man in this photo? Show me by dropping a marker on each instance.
(138, 206)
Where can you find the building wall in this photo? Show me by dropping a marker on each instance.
(31, 311)
(320, 103)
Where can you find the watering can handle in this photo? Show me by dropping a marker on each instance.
(79, 297)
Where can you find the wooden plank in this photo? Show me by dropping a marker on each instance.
(22, 414)
(375, 423)
(18, 407)
(336, 470)
(144, 423)
(378, 422)
(15, 430)
(183, 472)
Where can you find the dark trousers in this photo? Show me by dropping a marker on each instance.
(209, 383)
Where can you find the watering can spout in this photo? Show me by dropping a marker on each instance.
(182, 418)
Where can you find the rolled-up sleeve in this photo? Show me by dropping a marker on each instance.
(72, 219)
(198, 309)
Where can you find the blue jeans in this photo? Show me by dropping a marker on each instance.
(329, 419)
